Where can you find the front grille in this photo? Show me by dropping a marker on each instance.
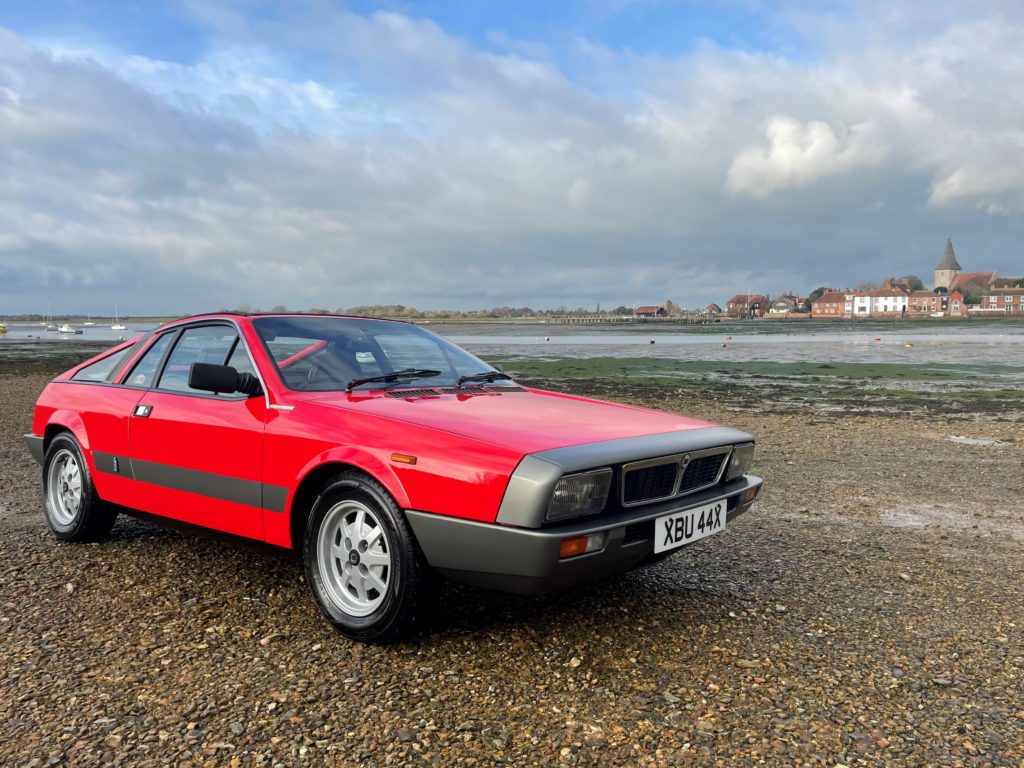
(701, 471)
(649, 483)
(650, 480)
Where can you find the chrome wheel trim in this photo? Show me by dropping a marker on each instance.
(354, 558)
(64, 488)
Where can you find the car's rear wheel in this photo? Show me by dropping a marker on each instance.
(73, 509)
(364, 567)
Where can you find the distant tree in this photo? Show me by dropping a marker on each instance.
(244, 308)
(621, 310)
(671, 307)
(867, 286)
(815, 295)
(278, 308)
(913, 282)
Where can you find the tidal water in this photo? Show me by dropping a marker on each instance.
(991, 345)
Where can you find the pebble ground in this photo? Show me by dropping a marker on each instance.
(868, 611)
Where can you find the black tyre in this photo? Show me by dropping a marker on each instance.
(366, 572)
(73, 509)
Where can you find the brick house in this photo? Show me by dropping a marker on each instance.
(1002, 301)
(650, 310)
(832, 304)
(931, 303)
(747, 305)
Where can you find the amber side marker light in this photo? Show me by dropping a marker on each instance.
(751, 494)
(403, 458)
(580, 545)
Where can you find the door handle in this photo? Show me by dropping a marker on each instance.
(143, 411)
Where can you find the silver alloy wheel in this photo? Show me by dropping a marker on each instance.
(353, 558)
(64, 488)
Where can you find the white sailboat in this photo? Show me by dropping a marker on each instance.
(118, 325)
(88, 320)
(48, 323)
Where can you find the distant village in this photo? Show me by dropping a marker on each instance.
(956, 294)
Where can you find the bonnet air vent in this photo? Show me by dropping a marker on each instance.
(479, 390)
(406, 393)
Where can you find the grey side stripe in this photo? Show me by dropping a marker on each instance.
(223, 487)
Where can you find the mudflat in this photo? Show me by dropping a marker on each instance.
(867, 611)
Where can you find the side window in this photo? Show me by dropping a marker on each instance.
(206, 344)
(101, 370)
(239, 359)
(144, 371)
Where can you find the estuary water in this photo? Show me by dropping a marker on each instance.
(993, 344)
(973, 343)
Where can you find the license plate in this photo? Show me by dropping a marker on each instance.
(681, 528)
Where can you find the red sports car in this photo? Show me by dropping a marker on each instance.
(383, 453)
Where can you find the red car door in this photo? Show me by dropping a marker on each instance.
(196, 456)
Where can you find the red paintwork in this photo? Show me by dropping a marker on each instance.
(466, 445)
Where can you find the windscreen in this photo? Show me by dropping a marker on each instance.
(330, 353)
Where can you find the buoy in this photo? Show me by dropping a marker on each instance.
(724, 346)
(728, 338)
(908, 346)
(878, 338)
(652, 341)
(547, 338)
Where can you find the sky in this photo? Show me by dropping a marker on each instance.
(183, 156)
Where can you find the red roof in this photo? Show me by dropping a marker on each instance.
(648, 309)
(972, 280)
(830, 297)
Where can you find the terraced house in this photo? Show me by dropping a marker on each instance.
(937, 304)
(1002, 301)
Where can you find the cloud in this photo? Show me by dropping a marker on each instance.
(798, 154)
(327, 158)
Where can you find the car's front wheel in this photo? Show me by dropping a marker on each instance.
(74, 511)
(364, 567)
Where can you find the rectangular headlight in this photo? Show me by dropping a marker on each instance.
(581, 494)
(741, 461)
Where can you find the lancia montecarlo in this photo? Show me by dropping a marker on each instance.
(383, 454)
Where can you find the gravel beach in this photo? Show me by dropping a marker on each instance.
(868, 611)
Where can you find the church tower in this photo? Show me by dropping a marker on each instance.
(948, 267)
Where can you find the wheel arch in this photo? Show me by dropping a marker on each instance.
(313, 480)
(67, 421)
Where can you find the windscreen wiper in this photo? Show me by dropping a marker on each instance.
(405, 373)
(487, 376)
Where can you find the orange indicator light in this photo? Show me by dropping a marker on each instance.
(577, 545)
(580, 545)
(403, 458)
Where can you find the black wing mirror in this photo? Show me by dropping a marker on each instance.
(222, 378)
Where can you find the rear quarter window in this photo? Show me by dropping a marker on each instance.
(103, 370)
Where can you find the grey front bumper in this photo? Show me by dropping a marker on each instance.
(35, 446)
(526, 560)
